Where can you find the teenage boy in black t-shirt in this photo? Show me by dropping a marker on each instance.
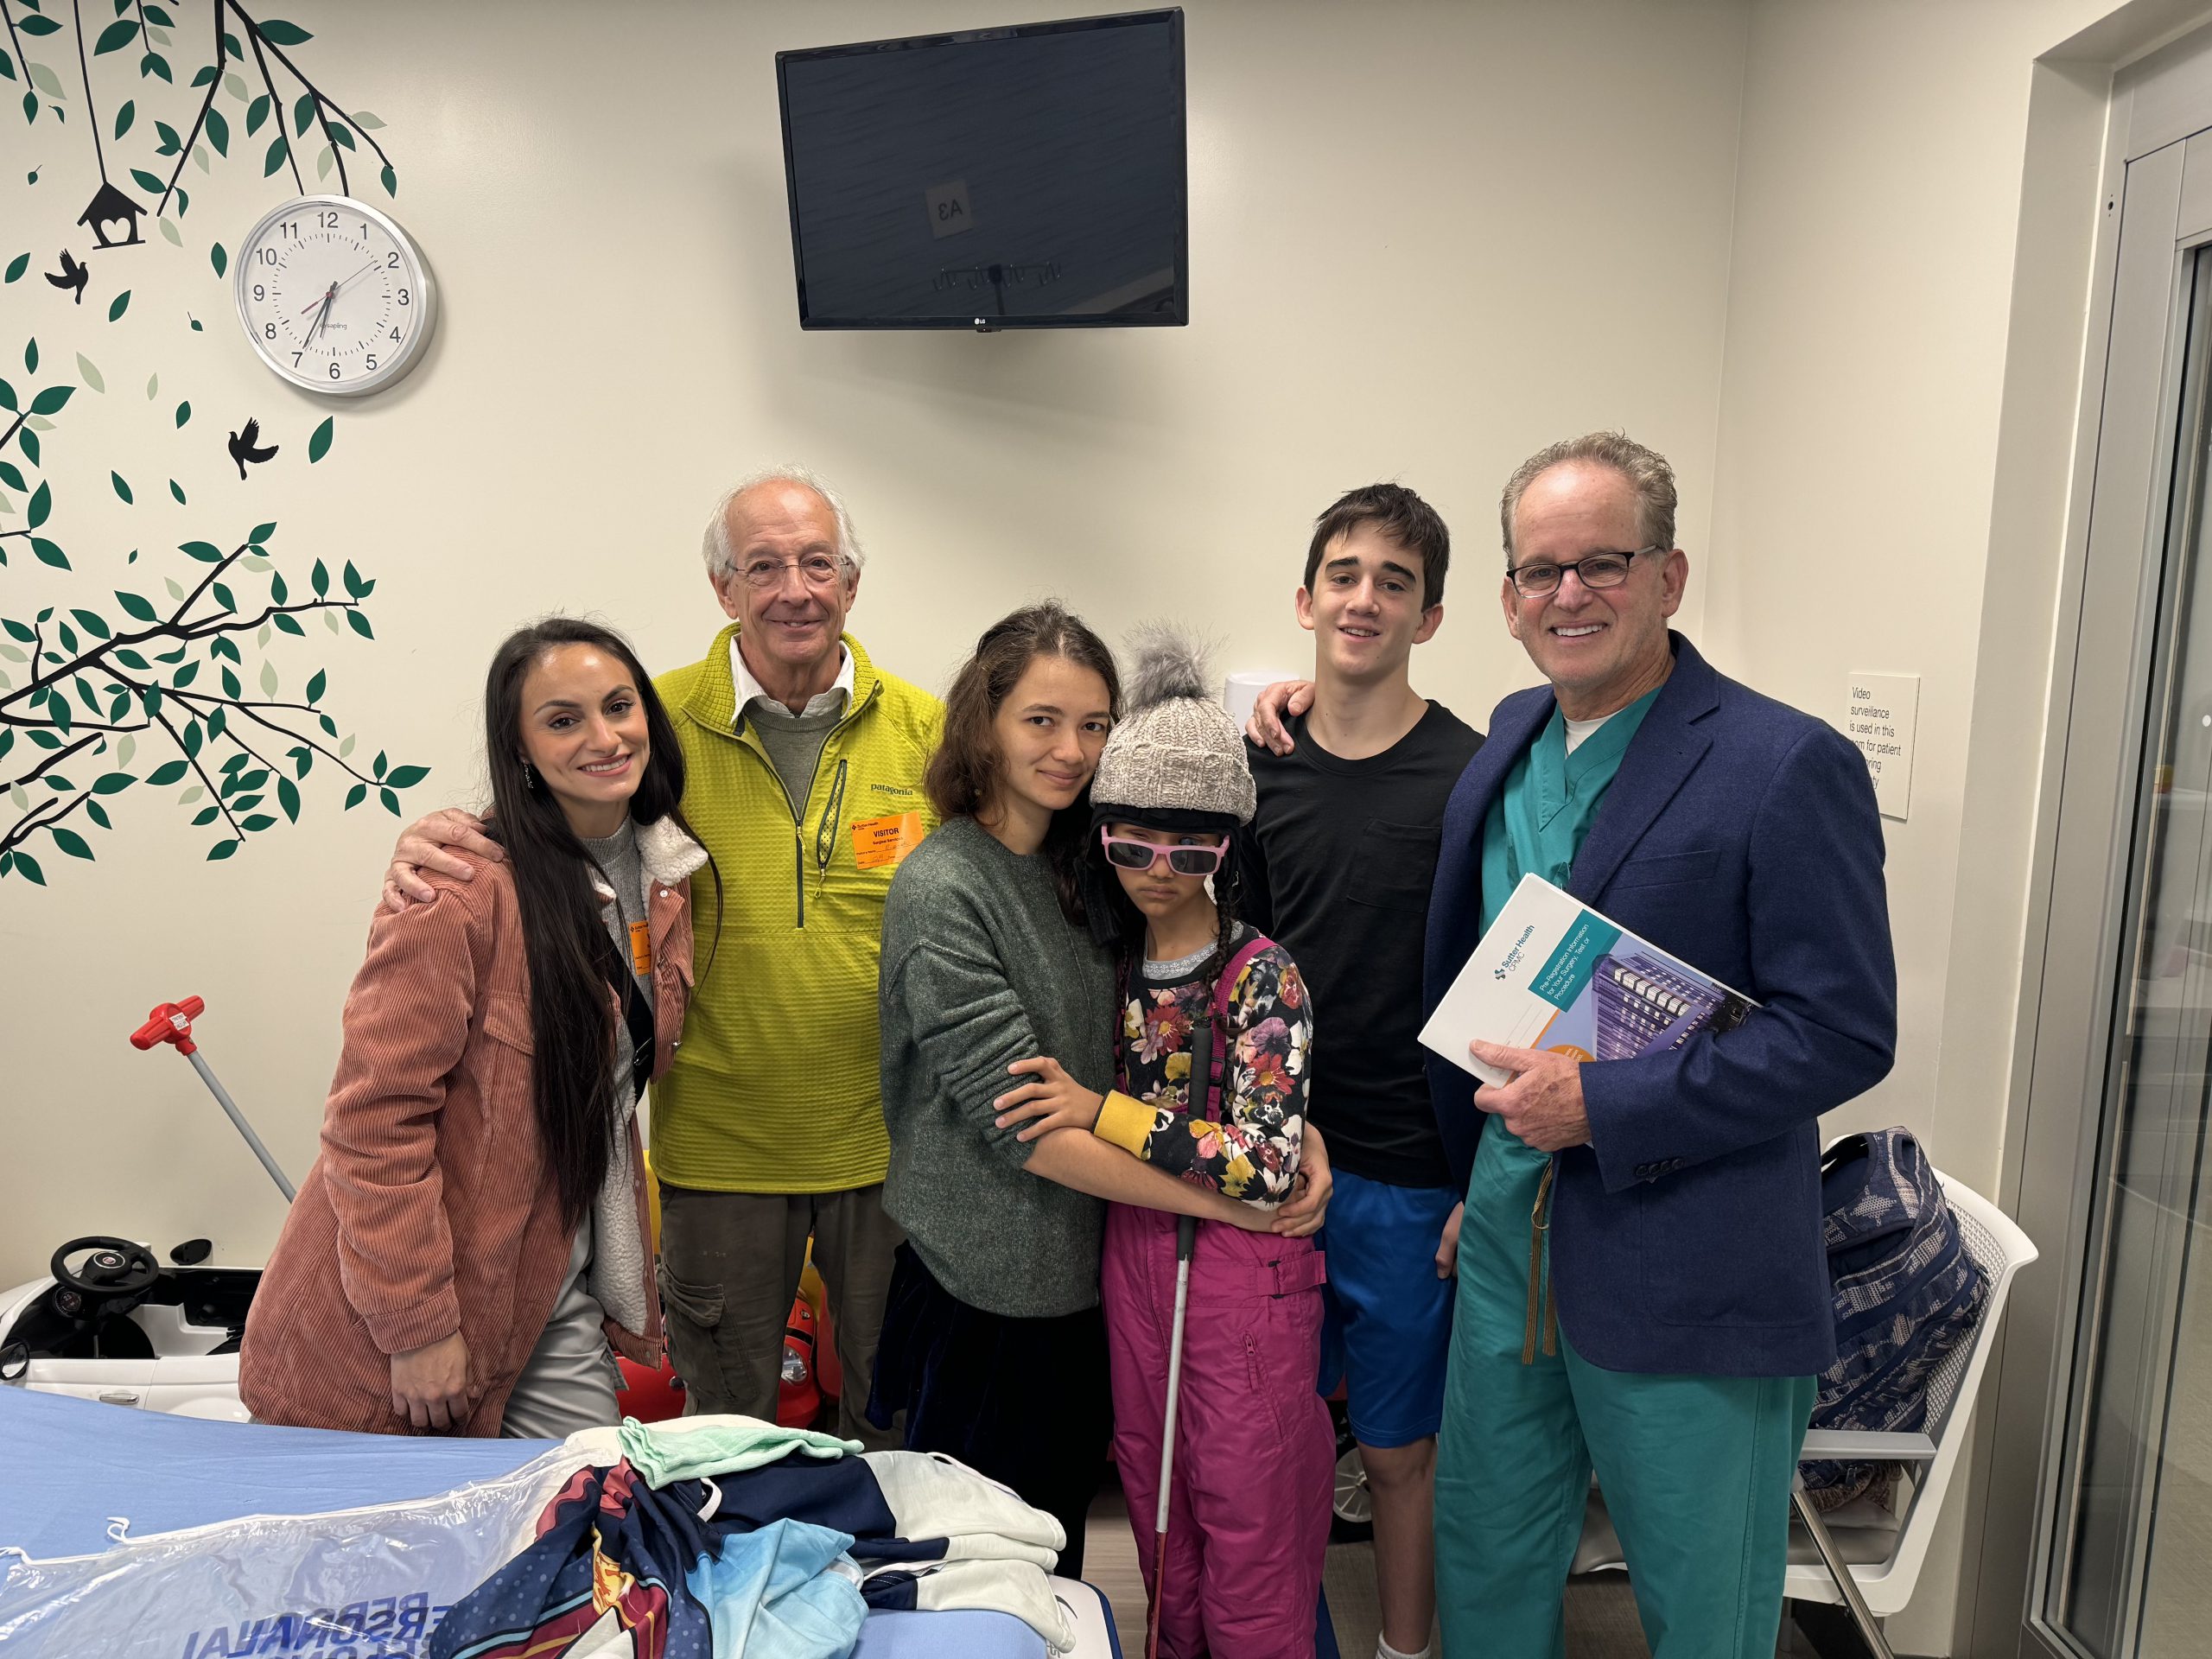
(1335, 867)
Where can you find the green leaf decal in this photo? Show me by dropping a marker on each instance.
(155, 63)
(54, 398)
(391, 181)
(146, 181)
(183, 413)
(124, 116)
(218, 258)
(170, 234)
(219, 132)
(41, 503)
(288, 796)
(304, 114)
(263, 532)
(112, 783)
(318, 443)
(407, 777)
(221, 849)
(177, 491)
(90, 374)
(115, 36)
(120, 304)
(17, 266)
(48, 553)
(168, 772)
(30, 357)
(28, 866)
(360, 623)
(141, 607)
(278, 32)
(122, 487)
(69, 842)
(255, 113)
(315, 687)
(35, 26)
(362, 118)
(206, 552)
(277, 150)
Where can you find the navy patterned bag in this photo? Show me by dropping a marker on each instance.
(1906, 1294)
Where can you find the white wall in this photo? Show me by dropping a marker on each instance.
(1424, 240)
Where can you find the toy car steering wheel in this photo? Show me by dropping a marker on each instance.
(116, 1271)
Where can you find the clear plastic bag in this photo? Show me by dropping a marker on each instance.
(368, 1583)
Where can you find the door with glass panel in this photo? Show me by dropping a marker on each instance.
(2114, 1179)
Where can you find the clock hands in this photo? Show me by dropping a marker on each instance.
(336, 288)
(322, 313)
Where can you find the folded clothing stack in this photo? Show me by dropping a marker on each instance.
(724, 1537)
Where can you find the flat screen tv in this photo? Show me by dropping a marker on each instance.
(1030, 177)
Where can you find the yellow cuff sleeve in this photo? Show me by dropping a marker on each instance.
(1126, 1122)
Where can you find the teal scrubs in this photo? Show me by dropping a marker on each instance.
(1696, 1470)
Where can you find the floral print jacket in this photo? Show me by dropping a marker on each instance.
(1266, 1043)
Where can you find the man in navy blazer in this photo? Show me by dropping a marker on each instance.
(1669, 1204)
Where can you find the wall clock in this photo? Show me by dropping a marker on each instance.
(334, 295)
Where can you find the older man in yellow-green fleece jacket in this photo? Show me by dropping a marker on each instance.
(804, 783)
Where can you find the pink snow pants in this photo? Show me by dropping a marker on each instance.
(1247, 1520)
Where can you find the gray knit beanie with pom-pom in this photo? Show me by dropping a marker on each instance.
(1176, 757)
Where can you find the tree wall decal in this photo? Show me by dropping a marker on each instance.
(183, 689)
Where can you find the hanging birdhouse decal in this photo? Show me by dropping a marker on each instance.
(110, 206)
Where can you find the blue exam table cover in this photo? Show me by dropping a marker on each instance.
(74, 1466)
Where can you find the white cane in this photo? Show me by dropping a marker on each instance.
(1187, 1235)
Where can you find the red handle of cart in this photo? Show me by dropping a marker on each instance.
(171, 1022)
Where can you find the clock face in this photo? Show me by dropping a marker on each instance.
(334, 295)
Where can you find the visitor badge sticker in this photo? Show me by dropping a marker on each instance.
(879, 841)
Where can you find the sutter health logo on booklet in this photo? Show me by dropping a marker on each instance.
(1552, 973)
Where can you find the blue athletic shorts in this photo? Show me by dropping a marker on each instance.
(1387, 1319)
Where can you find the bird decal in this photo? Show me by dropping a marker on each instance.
(73, 276)
(242, 447)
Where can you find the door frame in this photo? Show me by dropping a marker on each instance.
(2155, 208)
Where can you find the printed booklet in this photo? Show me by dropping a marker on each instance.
(1552, 973)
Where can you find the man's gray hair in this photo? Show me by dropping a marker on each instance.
(721, 559)
(1646, 470)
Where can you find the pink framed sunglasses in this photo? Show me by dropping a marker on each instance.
(1127, 853)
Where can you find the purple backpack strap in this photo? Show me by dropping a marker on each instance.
(1223, 989)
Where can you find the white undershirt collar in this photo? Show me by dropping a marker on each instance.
(748, 688)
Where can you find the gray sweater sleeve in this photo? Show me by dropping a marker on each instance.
(969, 1025)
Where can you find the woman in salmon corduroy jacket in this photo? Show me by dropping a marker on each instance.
(473, 1237)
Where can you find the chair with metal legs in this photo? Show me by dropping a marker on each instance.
(1866, 1556)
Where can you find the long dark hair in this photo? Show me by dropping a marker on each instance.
(574, 962)
(963, 773)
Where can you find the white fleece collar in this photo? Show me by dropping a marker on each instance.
(668, 855)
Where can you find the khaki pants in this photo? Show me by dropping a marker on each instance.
(729, 1268)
